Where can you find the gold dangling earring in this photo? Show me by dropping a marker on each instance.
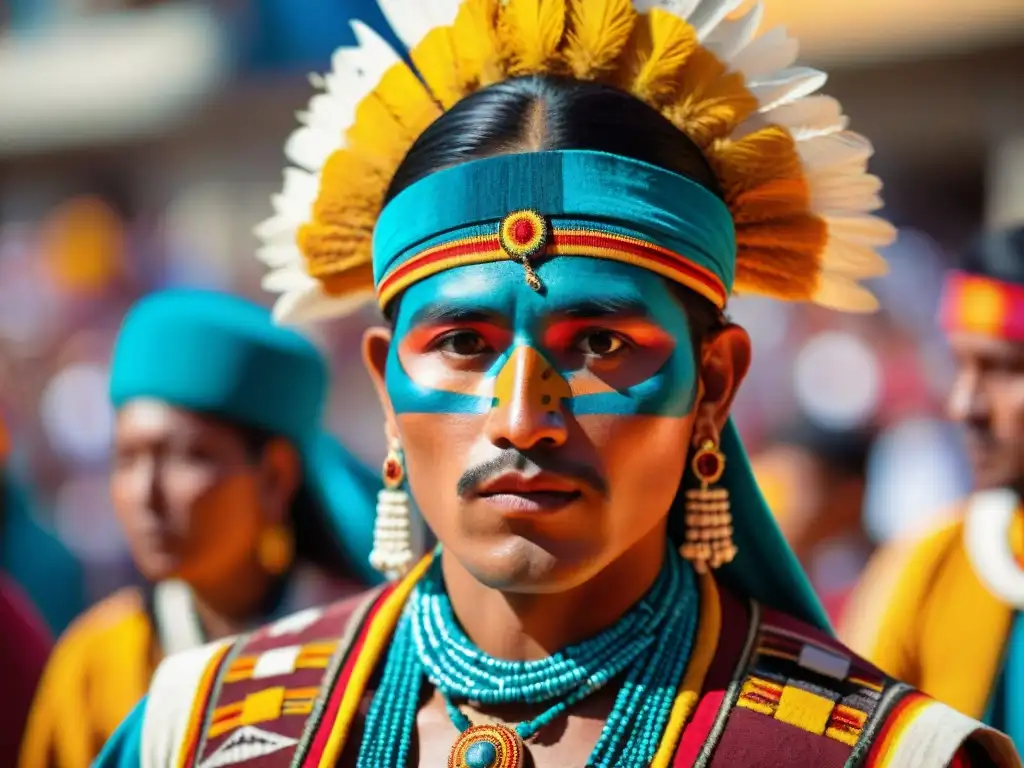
(392, 552)
(709, 529)
(276, 549)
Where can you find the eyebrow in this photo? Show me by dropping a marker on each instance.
(605, 307)
(434, 314)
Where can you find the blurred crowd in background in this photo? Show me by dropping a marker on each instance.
(141, 141)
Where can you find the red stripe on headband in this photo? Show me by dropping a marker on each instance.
(568, 242)
(981, 305)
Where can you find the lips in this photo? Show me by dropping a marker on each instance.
(529, 494)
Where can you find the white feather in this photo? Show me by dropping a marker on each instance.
(733, 35)
(681, 8)
(300, 186)
(309, 148)
(786, 86)
(290, 208)
(859, 261)
(767, 54)
(312, 305)
(840, 192)
(277, 230)
(709, 14)
(809, 117)
(286, 279)
(411, 20)
(276, 256)
(836, 291)
(860, 229)
(327, 114)
(356, 71)
(845, 148)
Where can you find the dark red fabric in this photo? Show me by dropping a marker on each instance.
(24, 647)
(755, 741)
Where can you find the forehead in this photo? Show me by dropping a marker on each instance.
(151, 419)
(568, 282)
(978, 345)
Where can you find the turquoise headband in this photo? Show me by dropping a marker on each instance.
(572, 190)
(217, 354)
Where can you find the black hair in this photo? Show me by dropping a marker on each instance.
(544, 113)
(316, 542)
(999, 255)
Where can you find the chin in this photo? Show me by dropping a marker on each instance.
(517, 564)
(988, 477)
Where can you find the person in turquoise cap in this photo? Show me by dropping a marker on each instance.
(551, 205)
(233, 501)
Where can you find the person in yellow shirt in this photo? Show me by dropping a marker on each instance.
(236, 507)
(943, 611)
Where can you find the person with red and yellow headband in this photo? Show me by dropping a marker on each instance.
(943, 611)
(551, 206)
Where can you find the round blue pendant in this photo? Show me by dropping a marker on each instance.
(482, 754)
(487, 746)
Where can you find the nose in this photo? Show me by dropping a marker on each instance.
(968, 401)
(150, 482)
(528, 407)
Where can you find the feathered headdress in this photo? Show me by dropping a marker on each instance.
(795, 180)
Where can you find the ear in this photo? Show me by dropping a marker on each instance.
(280, 476)
(724, 362)
(376, 348)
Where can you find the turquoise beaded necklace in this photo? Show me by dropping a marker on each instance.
(649, 646)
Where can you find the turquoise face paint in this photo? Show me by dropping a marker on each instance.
(654, 373)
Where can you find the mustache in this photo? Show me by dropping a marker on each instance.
(530, 463)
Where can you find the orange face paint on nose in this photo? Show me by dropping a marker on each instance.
(528, 381)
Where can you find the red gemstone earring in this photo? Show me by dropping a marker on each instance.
(709, 529)
(392, 552)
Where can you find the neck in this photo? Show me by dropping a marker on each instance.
(529, 626)
(229, 606)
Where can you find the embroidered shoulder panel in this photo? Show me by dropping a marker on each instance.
(269, 688)
(802, 698)
(801, 694)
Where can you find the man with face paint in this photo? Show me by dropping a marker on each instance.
(553, 254)
(943, 611)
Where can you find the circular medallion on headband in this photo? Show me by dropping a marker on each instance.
(487, 746)
(523, 235)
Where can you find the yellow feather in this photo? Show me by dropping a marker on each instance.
(658, 49)
(477, 48)
(436, 62)
(598, 31)
(531, 33)
(711, 101)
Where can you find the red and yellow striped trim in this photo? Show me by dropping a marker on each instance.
(981, 305)
(364, 656)
(895, 728)
(709, 629)
(480, 249)
(193, 730)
